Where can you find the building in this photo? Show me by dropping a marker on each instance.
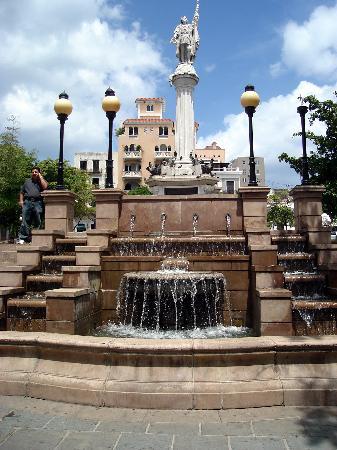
(242, 163)
(229, 177)
(149, 138)
(94, 163)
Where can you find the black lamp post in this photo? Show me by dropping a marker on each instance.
(110, 105)
(63, 109)
(302, 110)
(250, 100)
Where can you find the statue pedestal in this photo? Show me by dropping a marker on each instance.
(182, 185)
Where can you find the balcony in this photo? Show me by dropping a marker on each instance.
(94, 171)
(132, 174)
(163, 155)
(135, 154)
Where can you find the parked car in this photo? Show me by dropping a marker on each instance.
(334, 234)
(81, 227)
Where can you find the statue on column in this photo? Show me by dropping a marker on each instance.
(186, 38)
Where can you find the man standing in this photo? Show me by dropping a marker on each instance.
(32, 204)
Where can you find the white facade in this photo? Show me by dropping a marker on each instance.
(94, 163)
(229, 179)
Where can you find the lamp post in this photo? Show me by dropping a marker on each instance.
(302, 110)
(110, 105)
(250, 100)
(63, 109)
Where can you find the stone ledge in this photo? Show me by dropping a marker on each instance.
(81, 269)
(11, 290)
(66, 292)
(233, 373)
(274, 293)
(90, 249)
(276, 268)
(18, 268)
(34, 248)
(262, 247)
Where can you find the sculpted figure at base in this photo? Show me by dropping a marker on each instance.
(186, 38)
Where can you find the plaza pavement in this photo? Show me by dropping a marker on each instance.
(33, 424)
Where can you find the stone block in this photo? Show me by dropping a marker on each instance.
(276, 329)
(269, 279)
(237, 281)
(82, 277)
(62, 224)
(238, 300)
(46, 238)
(276, 310)
(263, 255)
(255, 223)
(89, 256)
(106, 224)
(100, 238)
(111, 280)
(28, 258)
(108, 298)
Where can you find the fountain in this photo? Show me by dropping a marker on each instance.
(174, 282)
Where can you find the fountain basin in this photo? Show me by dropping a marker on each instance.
(162, 374)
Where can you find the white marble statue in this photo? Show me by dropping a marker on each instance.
(186, 38)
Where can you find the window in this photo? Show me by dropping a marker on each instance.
(230, 187)
(156, 149)
(257, 172)
(163, 131)
(95, 181)
(127, 168)
(256, 162)
(169, 148)
(83, 165)
(132, 147)
(95, 165)
(149, 108)
(163, 148)
(243, 162)
(126, 148)
(133, 131)
(244, 180)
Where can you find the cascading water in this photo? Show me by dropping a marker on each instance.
(163, 218)
(132, 224)
(195, 223)
(172, 303)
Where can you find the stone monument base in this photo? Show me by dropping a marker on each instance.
(183, 185)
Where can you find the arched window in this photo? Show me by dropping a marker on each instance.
(156, 149)
(126, 148)
(149, 108)
(163, 148)
(169, 148)
(163, 131)
(132, 147)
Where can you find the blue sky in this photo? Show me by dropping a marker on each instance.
(283, 47)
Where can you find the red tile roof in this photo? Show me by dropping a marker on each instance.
(140, 121)
(153, 99)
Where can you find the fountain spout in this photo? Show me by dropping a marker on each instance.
(132, 224)
(163, 218)
(195, 223)
(228, 220)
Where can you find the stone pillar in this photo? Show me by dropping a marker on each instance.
(59, 210)
(254, 213)
(185, 125)
(308, 213)
(108, 204)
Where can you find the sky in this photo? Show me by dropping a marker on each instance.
(285, 48)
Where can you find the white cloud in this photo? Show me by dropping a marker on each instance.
(310, 49)
(81, 49)
(210, 68)
(274, 123)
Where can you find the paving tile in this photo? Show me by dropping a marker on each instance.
(256, 443)
(227, 429)
(25, 419)
(132, 427)
(88, 440)
(116, 414)
(310, 443)
(32, 440)
(200, 443)
(4, 412)
(137, 441)
(189, 416)
(69, 423)
(277, 427)
(174, 428)
(5, 430)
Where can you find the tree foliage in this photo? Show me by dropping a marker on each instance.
(76, 181)
(15, 168)
(279, 211)
(140, 190)
(323, 160)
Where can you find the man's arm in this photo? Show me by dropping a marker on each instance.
(21, 199)
(43, 183)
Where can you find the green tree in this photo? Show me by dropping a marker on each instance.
(323, 160)
(279, 212)
(76, 181)
(140, 190)
(119, 131)
(15, 168)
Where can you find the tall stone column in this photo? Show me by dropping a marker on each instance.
(59, 210)
(184, 84)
